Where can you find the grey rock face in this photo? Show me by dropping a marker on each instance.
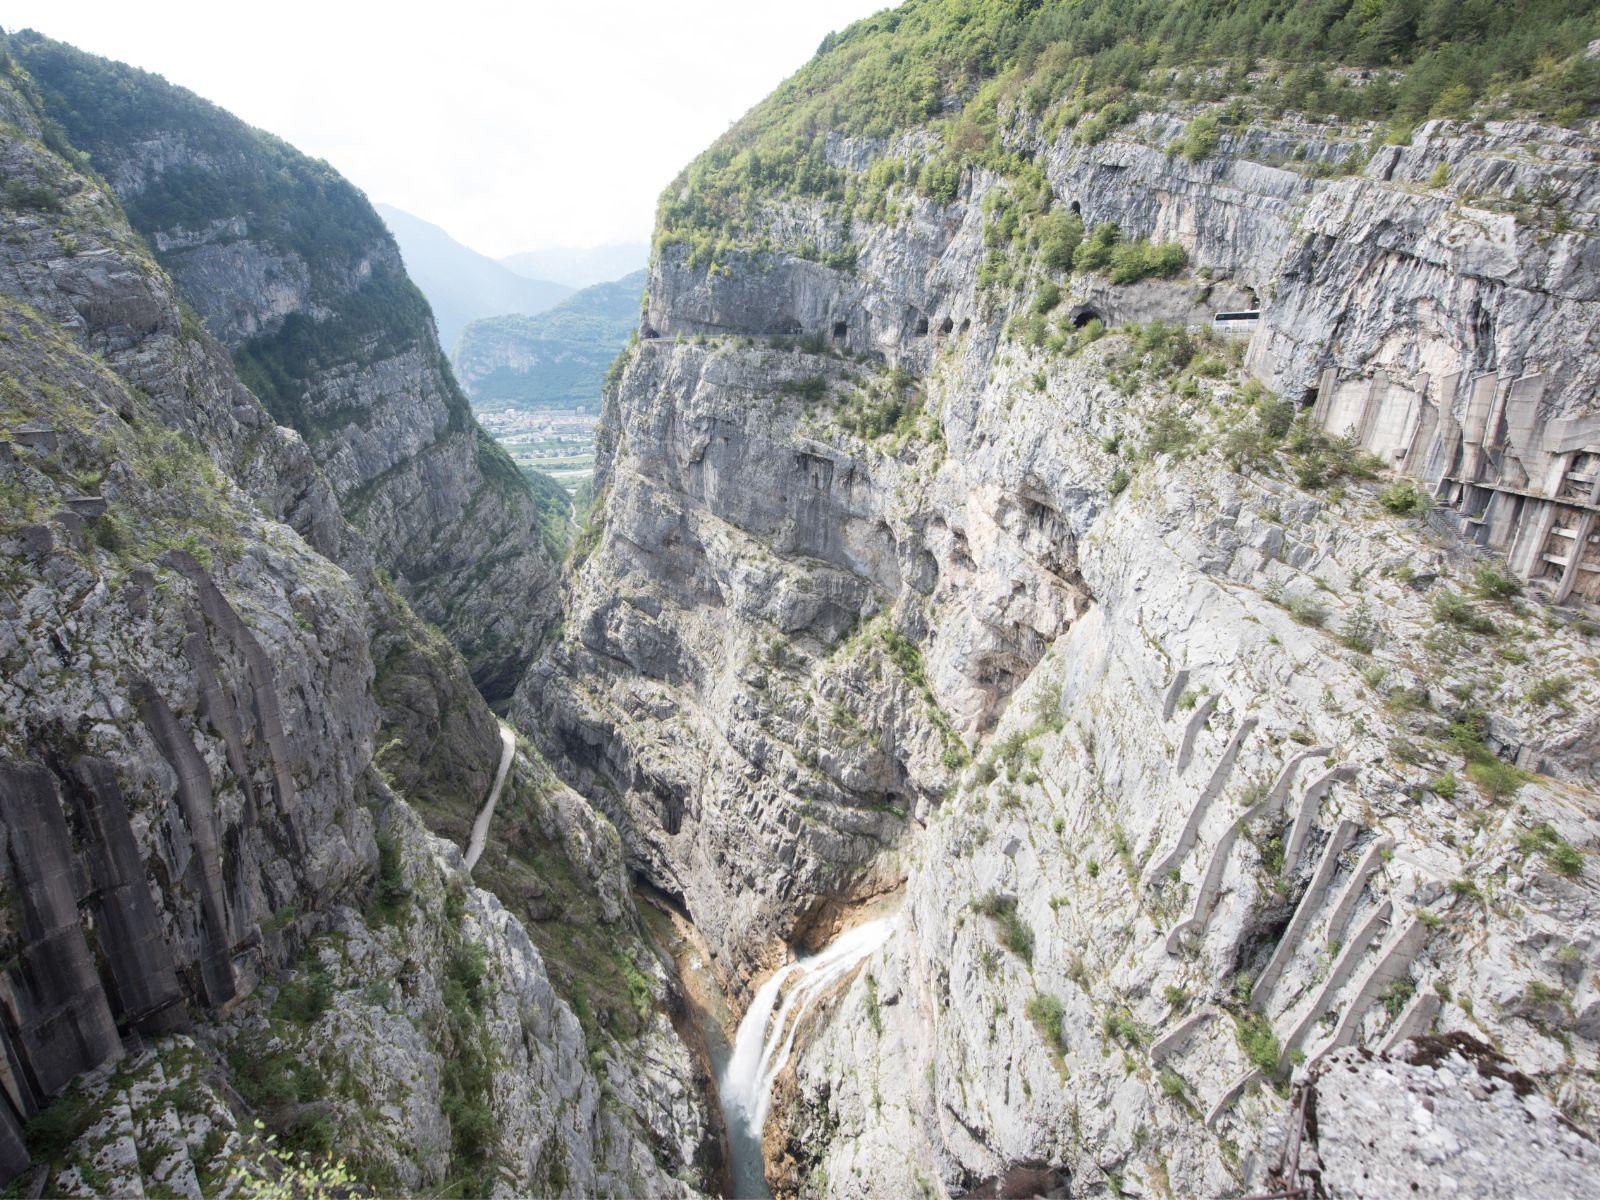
(164, 1121)
(389, 1024)
(190, 783)
(1441, 1117)
(1074, 989)
(737, 577)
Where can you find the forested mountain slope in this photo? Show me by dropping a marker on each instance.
(553, 359)
(290, 268)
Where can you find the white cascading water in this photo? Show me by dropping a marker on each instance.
(765, 1041)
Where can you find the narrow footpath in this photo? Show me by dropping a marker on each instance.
(480, 827)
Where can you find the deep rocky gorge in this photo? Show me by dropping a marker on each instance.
(292, 271)
(1213, 705)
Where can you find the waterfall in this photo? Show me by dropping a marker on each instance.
(765, 1041)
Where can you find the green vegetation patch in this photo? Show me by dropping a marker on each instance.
(1046, 1013)
(1016, 935)
(1087, 67)
(1564, 858)
(107, 108)
(1259, 1043)
(1495, 777)
(572, 345)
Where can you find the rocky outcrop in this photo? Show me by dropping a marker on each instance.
(394, 1009)
(1443, 1116)
(1190, 749)
(291, 269)
(1230, 714)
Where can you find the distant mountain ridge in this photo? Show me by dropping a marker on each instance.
(554, 359)
(461, 284)
(581, 266)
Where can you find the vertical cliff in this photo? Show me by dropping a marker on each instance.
(1076, 482)
(1123, 510)
(219, 906)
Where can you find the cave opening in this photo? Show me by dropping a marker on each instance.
(1084, 315)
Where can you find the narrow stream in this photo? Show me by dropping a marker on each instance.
(765, 1041)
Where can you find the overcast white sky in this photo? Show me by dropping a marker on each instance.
(514, 126)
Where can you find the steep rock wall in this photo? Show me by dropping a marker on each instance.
(1206, 838)
(199, 760)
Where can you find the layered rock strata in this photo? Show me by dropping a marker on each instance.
(291, 269)
(1245, 739)
(199, 764)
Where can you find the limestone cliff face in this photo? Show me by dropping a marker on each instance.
(1244, 741)
(291, 269)
(210, 707)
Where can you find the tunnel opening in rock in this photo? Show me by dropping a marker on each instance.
(922, 326)
(1084, 316)
(840, 329)
(946, 325)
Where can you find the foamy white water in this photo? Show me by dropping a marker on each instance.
(766, 1040)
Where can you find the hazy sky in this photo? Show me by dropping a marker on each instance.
(514, 126)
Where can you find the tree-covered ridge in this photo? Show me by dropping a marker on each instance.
(298, 204)
(363, 308)
(964, 66)
(606, 310)
(301, 203)
(569, 347)
(227, 170)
